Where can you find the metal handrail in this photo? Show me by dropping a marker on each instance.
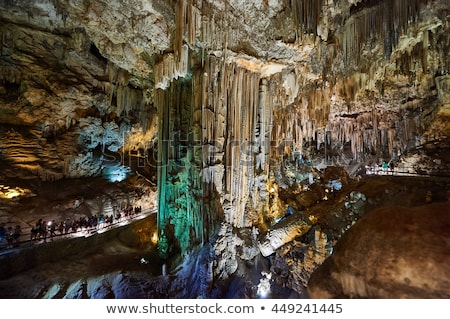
(397, 171)
(80, 232)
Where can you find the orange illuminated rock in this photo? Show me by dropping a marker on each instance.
(394, 252)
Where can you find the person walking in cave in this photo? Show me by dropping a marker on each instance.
(35, 231)
(391, 167)
(17, 233)
(43, 231)
(67, 225)
(75, 224)
(52, 228)
(61, 227)
(9, 237)
(2, 232)
(101, 221)
(384, 167)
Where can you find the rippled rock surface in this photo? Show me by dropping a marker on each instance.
(393, 252)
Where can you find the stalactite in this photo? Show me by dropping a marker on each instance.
(306, 15)
(237, 112)
(11, 74)
(376, 132)
(425, 46)
(188, 21)
(265, 124)
(300, 122)
(212, 29)
(117, 75)
(128, 99)
(180, 24)
(372, 20)
(171, 68)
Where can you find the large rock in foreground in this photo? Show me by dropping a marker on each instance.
(392, 252)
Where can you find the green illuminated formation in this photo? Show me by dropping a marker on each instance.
(184, 217)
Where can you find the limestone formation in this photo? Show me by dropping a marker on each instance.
(394, 252)
(225, 106)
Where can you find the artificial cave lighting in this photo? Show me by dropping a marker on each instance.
(313, 219)
(11, 194)
(7, 192)
(335, 185)
(155, 238)
(264, 287)
(116, 173)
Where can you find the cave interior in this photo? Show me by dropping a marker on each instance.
(274, 148)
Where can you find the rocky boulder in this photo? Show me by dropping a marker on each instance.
(392, 252)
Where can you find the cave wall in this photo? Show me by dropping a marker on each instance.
(66, 110)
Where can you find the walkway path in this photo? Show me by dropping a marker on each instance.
(80, 232)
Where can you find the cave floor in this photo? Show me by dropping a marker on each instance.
(49, 198)
(111, 259)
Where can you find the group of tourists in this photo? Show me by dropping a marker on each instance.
(380, 169)
(43, 229)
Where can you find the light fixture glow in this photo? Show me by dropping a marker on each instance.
(264, 285)
(12, 193)
(155, 238)
(7, 192)
(116, 174)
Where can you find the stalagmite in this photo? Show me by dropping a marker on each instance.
(284, 233)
